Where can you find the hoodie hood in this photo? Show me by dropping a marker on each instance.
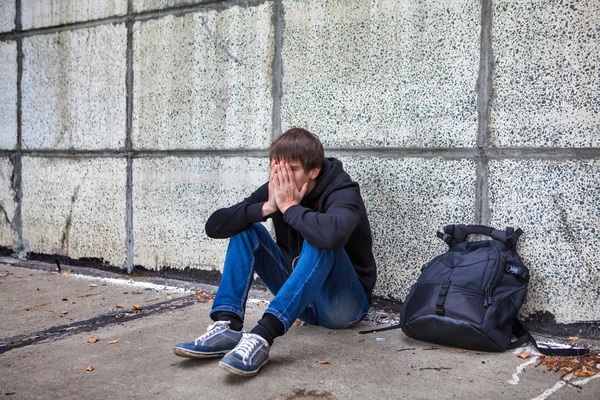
(332, 176)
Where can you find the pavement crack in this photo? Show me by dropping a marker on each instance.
(92, 324)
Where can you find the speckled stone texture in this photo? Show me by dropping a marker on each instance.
(8, 95)
(74, 89)
(173, 198)
(382, 73)
(75, 207)
(148, 5)
(7, 15)
(408, 201)
(556, 204)
(547, 73)
(42, 13)
(203, 80)
(8, 235)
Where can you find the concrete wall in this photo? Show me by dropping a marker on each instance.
(124, 124)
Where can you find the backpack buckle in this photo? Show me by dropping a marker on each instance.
(446, 238)
(519, 271)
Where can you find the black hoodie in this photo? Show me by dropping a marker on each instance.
(331, 216)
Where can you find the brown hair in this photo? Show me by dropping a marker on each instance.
(298, 144)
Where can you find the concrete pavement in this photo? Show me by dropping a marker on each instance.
(47, 319)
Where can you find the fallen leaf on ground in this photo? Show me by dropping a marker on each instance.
(584, 371)
(573, 338)
(461, 351)
(137, 291)
(579, 366)
(125, 292)
(137, 307)
(323, 362)
(113, 342)
(299, 323)
(64, 312)
(65, 272)
(204, 297)
(50, 310)
(524, 356)
(90, 368)
(118, 306)
(28, 309)
(93, 340)
(19, 276)
(169, 293)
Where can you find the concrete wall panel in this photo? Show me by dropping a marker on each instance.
(382, 73)
(8, 95)
(8, 235)
(556, 204)
(7, 15)
(147, 5)
(75, 207)
(546, 78)
(74, 89)
(41, 13)
(173, 198)
(407, 201)
(203, 80)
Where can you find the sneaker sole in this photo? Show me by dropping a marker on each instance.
(241, 372)
(178, 351)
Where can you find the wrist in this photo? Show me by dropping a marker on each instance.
(268, 209)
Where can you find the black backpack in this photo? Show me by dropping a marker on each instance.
(469, 297)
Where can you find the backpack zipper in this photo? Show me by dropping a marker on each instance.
(487, 300)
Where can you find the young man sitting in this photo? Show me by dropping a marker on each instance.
(320, 268)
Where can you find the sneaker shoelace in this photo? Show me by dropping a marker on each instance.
(246, 346)
(209, 331)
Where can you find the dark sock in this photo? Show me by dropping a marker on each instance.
(235, 323)
(269, 327)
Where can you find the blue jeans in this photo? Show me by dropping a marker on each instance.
(323, 289)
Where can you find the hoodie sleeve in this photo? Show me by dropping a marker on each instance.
(227, 222)
(330, 229)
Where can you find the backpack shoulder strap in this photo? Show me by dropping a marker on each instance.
(386, 328)
(523, 336)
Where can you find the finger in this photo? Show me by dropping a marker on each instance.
(282, 173)
(285, 172)
(303, 190)
(272, 170)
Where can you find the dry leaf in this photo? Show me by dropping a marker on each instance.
(461, 351)
(584, 371)
(169, 293)
(137, 307)
(573, 338)
(64, 312)
(524, 356)
(323, 362)
(118, 306)
(50, 310)
(90, 368)
(125, 292)
(65, 272)
(93, 340)
(137, 292)
(113, 342)
(18, 276)
(28, 309)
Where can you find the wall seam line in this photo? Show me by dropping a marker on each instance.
(129, 239)
(21, 247)
(484, 93)
(276, 90)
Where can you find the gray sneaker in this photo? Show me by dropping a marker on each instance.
(217, 341)
(251, 353)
